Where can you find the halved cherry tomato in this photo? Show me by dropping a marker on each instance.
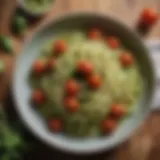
(109, 125)
(149, 16)
(55, 125)
(51, 64)
(126, 59)
(60, 46)
(94, 34)
(71, 104)
(38, 96)
(113, 42)
(85, 67)
(118, 110)
(39, 67)
(72, 87)
(94, 81)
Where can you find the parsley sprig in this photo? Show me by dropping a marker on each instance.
(11, 142)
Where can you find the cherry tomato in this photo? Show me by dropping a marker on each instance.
(38, 96)
(94, 81)
(39, 67)
(113, 42)
(109, 125)
(126, 59)
(60, 47)
(94, 34)
(51, 64)
(72, 87)
(55, 125)
(85, 67)
(118, 110)
(149, 16)
(71, 104)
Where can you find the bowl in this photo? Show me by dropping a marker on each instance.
(22, 91)
(35, 13)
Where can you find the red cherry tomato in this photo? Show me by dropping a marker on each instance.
(38, 96)
(149, 16)
(126, 59)
(85, 67)
(113, 42)
(72, 87)
(60, 46)
(118, 110)
(109, 125)
(51, 64)
(94, 81)
(94, 34)
(39, 67)
(55, 125)
(71, 104)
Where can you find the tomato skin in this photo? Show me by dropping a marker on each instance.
(118, 110)
(85, 67)
(94, 34)
(109, 125)
(71, 104)
(126, 59)
(51, 64)
(72, 87)
(149, 16)
(39, 67)
(113, 42)
(55, 125)
(60, 46)
(94, 81)
(38, 96)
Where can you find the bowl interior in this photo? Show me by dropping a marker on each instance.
(22, 91)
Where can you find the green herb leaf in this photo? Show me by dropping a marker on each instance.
(6, 44)
(19, 24)
(10, 141)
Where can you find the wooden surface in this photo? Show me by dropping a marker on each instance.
(145, 143)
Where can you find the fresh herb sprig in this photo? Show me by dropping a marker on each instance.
(11, 142)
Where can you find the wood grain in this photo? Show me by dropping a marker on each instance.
(145, 143)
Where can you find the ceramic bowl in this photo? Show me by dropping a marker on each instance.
(22, 91)
(34, 13)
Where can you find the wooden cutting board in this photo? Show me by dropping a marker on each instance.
(145, 143)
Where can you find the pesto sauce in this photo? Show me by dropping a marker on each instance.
(38, 5)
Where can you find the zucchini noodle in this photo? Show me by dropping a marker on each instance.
(119, 84)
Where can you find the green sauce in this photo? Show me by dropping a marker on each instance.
(38, 5)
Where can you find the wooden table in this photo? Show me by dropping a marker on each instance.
(145, 143)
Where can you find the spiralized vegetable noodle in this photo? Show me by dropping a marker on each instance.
(119, 85)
